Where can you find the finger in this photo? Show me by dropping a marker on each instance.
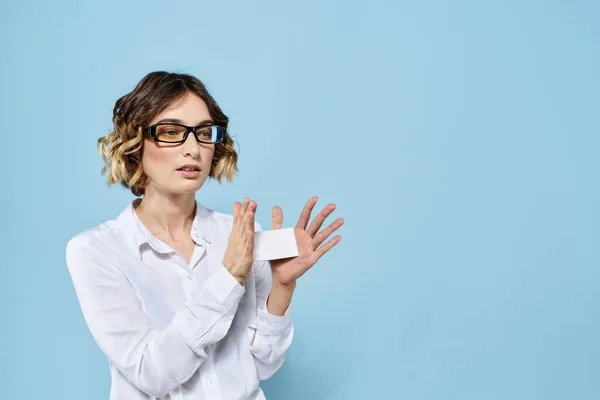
(236, 211)
(319, 219)
(325, 233)
(237, 218)
(327, 246)
(277, 219)
(250, 227)
(251, 206)
(245, 206)
(241, 217)
(250, 215)
(305, 214)
(250, 238)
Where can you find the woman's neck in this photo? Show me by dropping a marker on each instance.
(167, 215)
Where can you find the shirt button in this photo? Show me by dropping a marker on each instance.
(210, 381)
(197, 234)
(262, 320)
(190, 277)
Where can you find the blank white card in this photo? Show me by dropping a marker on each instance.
(275, 244)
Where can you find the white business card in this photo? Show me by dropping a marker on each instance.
(275, 244)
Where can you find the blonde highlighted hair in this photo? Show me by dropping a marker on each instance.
(122, 148)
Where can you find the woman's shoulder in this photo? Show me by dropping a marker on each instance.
(92, 239)
(98, 240)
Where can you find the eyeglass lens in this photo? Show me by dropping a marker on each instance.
(175, 133)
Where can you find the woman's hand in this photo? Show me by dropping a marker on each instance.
(238, 257)
(285, 271)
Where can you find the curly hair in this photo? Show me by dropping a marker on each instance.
(122, 149)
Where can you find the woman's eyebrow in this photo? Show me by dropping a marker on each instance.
(178, 121)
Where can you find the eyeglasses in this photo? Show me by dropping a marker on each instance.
(167, 132)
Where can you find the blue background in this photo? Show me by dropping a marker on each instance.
(459, 140)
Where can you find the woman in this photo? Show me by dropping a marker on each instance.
(169, 288)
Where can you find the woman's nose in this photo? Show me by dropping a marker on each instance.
(191, 146)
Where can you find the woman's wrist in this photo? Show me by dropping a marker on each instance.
(237, 277)
(280, 298)
(275, 284)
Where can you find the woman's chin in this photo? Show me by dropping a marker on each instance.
(188, 186)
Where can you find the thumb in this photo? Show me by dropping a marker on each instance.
(277, 218)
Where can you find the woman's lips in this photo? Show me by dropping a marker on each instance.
(194, 173)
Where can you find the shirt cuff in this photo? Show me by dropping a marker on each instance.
(225, 287)
(273, 324)
(209, 310)
(219, 290)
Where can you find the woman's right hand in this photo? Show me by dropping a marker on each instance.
(238, 257)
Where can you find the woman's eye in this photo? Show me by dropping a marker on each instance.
(171, 133)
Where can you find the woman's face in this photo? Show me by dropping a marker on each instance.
(162, 162)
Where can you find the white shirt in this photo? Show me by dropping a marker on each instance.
(172, 330)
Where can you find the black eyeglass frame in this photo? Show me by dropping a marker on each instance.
(151, 131)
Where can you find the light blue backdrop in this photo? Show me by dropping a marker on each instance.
(459, 140)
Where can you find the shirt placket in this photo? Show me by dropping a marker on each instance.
(209, 381)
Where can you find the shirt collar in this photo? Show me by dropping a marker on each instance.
(138, 234)
(203, 222)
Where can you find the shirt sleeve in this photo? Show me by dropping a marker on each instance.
(155, 360)
(273, 333)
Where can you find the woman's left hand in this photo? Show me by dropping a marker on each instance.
(285, 271)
